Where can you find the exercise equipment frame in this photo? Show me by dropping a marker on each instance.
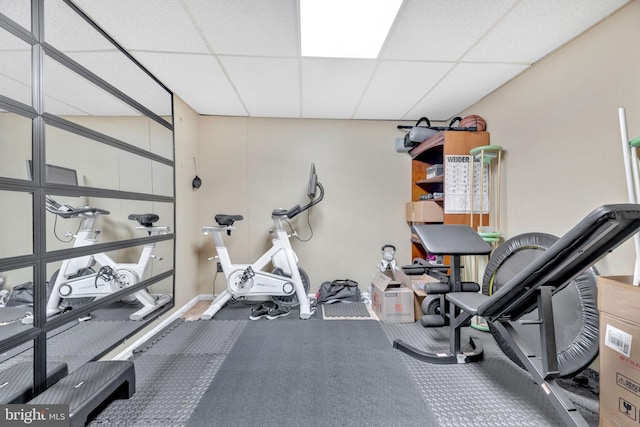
(580, 248)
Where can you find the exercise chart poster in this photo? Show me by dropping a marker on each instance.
(457, 185)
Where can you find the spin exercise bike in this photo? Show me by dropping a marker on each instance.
(287, 284)
(76, 279)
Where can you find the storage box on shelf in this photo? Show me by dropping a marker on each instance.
(425, 211)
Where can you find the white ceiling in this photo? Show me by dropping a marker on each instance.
(242, 57)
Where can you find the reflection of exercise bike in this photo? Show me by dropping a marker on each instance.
(287, 284)
(76, 279)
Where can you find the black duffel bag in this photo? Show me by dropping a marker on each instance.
(339, 290)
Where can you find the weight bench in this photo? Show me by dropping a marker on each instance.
(16, 382)
(456, 241)
(590, 240)
(89, 388)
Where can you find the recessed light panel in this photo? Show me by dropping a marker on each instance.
(345, 28)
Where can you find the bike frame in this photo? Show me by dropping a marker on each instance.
(126, 274)
(281, 256)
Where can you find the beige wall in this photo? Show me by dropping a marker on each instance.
(251, 166)
(558, 123)
(187, 201)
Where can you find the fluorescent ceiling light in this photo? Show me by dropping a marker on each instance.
(345, 28)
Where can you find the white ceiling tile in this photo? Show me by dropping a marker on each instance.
(19, 11)
(463, 86)
(397, 86)
(125, 75)
(146, 24)
(269, 87)
(61, 108)
(85, 96)
(9, 42)
(248, 27)
(440, 30)
(197, 79)
(67, 31)
(535, 28)
(15, 68)
(332, 88)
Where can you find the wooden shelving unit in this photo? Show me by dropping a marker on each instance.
(433, 151)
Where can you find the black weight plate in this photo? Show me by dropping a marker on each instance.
(431, 304)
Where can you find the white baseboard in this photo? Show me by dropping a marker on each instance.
(128, 352)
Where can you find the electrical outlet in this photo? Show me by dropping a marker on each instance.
(219, 268)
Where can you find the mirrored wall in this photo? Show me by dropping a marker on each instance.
(87, 189)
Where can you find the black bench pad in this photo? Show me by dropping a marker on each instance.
(88, 387)
(16, 382)
(447, 239)
(467, 301)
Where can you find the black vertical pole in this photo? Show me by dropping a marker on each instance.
(39, 291)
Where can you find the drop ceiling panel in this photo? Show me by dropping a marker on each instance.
(68, 32)
(197, 79)
(332, 88)
(19, 11)
(85, 96)
(269, 87)
(15, 68)
(242, 57)
(61, 108)
(248, 27)
(441, 30)
(535, 28)
(123, 74)
(146, 24)
(15, 76)
(463, 86)
(397, 86)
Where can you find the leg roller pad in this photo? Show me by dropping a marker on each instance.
(432, 320)
(90, 387)
(16, 383)
(443, 288)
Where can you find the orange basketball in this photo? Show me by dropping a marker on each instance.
(473, 121)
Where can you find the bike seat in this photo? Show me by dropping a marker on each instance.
(145, 220)
(223, 219)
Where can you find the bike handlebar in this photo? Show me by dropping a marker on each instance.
(66, 211)
(297, 209)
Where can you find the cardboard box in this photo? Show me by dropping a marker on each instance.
(424, 211)
(392, 302)
(619, 306)
(418, 296)
(415, 282)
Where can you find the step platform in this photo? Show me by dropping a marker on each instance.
(90, 388)
(16, 382)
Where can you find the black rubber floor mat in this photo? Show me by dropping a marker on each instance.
(299, 374)
(504, 394)
(344, 309)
